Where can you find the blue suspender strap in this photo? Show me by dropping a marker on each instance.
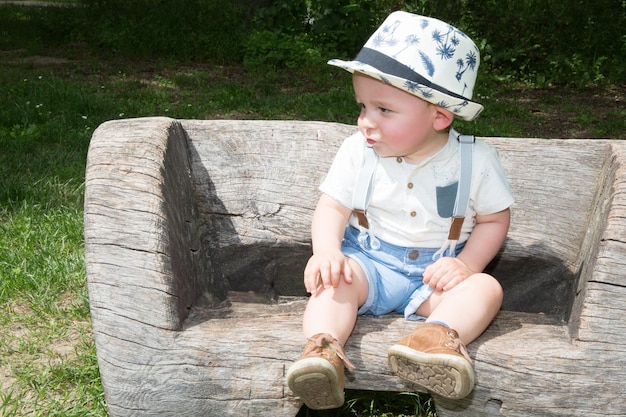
(466, 147)
(465, 182)
(363, 187)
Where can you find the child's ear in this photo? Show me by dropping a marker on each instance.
(443, 118)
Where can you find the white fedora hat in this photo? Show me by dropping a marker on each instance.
(425, 57)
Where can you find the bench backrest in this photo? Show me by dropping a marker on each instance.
(255, 187)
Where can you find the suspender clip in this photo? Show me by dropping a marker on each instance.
(455, 228)
(466, 138)
(361, 216)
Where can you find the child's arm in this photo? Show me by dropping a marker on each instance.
(481, 247)
(328, 262)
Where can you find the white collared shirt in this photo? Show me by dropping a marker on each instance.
(405, 209)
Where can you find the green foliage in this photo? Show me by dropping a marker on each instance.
(39, 27)
(536, 41)
(268, 50)
(550, 41)
(192, 29)
(332, 26)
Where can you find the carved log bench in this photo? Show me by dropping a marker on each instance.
(197, 233)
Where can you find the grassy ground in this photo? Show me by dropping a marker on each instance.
(52, 99)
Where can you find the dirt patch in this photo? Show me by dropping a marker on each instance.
(30, 340)
(568, 112)
(42, 60)
(19, 56)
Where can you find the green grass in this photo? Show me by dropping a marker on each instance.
(47, 357)
(48, 112)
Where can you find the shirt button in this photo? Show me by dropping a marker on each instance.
(413, 214)
(410, 185)
(399, 159)
(413, 255)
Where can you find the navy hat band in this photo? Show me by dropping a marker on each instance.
(388, 65)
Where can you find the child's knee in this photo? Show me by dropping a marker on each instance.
(360, 283)
(490, 287)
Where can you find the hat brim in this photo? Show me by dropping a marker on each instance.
(463, 108)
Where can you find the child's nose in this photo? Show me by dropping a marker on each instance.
(365, 122)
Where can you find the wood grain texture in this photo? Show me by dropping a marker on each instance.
(197, 232)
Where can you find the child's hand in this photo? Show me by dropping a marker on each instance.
(325, 270)
(445, 273)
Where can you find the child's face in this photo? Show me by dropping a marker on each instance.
(395, 122)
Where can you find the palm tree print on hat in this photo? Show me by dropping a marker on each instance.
(469, 63)
(413, 87)
(386, 35)
(445, 44)
(410, 41)
(446, 48)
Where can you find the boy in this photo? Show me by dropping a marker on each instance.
(412, 77)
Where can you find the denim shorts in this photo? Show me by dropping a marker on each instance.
(394, 273)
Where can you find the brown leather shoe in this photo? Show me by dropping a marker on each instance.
(318, 376)
(433, 357)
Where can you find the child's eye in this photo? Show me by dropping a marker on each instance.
(383, 110)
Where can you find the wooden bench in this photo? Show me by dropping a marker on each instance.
(197, 233)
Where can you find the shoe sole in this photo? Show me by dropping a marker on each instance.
(314, 380)
(441, 374)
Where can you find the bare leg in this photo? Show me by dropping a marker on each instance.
(468, 308)
(334, 310)
(318, 376)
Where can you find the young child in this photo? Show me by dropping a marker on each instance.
(412, 77)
